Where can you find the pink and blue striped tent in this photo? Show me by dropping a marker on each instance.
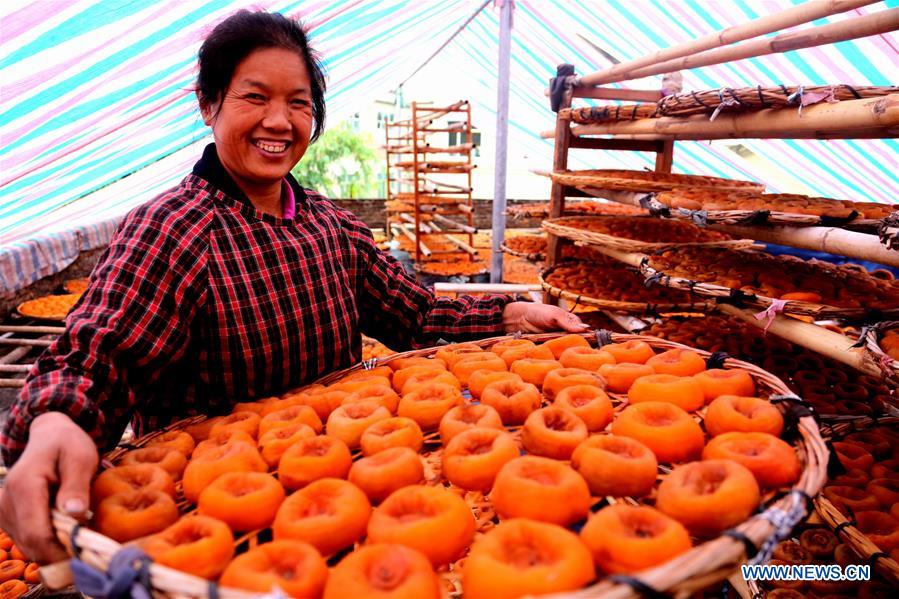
(97, 112)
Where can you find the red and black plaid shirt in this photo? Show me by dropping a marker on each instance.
(202, 301)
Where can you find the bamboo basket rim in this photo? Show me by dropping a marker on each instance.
(790, 307)
(641, 308)
(586, 115)
(757, 98)
(623, 244)
(638, 181)
(704, 564)
(843, 527)
(888, 365)
(531, 256)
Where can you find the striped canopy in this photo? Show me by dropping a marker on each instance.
(98, 115)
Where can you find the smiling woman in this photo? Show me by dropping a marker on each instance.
(238, 284)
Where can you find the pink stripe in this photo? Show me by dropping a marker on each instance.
(20, 21)
(30, 82)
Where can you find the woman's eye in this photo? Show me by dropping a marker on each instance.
(255, 97)
(300, 102)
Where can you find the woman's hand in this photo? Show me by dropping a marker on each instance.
(529, 317)
(59, 456)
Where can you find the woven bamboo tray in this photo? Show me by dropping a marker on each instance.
(696, 569)
(888, 365)
(844, 528)
(562, 228)
(729, 295)
(587, 207)
(638, 308)
(745, 99)
(602, 114)
(438, 166)
(658, 204)
(532, 256)
(647, 181)
(53, 308)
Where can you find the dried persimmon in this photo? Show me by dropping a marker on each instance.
(669, 431)
(679, 362)
(292, 567)
(733, 413)
(682, 391)
(312, 459)
(771, 460)
(616, 466)
(243, 500)
(513, 400)
(559, 379)
(631, 352)
(533, 370)
(628, 538)
(391, 432)
(171, 460)
(132, 514)
(468, 416)
(329, 514)
(719, 381)
(131, 478)
(589, 403)
(383, 571)
(619, 377)
(236, 456)
(349, 421)
(558, 345)
(553, 432)
(428, 403)
(384, 472)
(522, 557)
(586, 358)
(540, 489)
(474, 457)
(417, 515)
(195, 544)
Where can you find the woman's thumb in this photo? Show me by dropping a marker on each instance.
(76, 467)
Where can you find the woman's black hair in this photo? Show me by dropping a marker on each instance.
(237, 37)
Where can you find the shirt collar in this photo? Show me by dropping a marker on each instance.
(210, 168)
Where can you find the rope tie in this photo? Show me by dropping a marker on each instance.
(751, 548)
(770, 312)
(700, 218)
(783, 521)
(723, 103)
(862, 336)
(638, 585)
(127, 576)
(653, 279)
(837, 221)
(370, 363)
(716, 360)
(603, 337)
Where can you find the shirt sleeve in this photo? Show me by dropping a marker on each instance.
(402, 313)
(131, 323)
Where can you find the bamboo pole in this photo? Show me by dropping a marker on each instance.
(462, 245)
(32, 329)
(866, 115)
(811, 336)
(448, 221)
(421, 244)
(810, 37)
(796, 15)
(12, 383)
(15, 367)
(822, 239)
(484, 288)
(26, 342)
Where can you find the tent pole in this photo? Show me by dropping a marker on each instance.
(502, 140)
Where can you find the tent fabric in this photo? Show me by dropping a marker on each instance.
(97, 112)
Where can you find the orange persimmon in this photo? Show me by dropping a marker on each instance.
(718, 381)
(293, 567)
(349, 421)
(417, 515)
(290, 415)
(679, 362)
(468, 416)
(178, 440)
(683, 391)
(131, 478)
(631, 352)
(540, 489)
(383, 571)
(243, 500)
(132, 514)
(233, 457)
(312, 459)
(13, 589)
(195, 544)
(586, 358)
(171, 460)
(381, 474)
(619, 377)
(465, 366)
(391, 432)
(560, 378)
(474, 457)
(553, 432)
(536, 352)
(732, 413)
(479, 380)
(589, 403)
(534, 371)
(382, 394)
(558, 345)
(629, 538)
(275, 442)
(771, 460)
(428, 404)
(709, 496)
(247, 422)
(329, 514)
(669, 431)
(616, 466)
(513, 400)
(525, 557)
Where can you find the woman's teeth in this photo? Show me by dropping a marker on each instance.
(270, 147)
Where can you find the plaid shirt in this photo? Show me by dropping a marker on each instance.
(201, 301)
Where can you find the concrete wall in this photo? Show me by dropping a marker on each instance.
(372, 213)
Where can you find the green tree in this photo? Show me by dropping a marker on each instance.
(341, 164)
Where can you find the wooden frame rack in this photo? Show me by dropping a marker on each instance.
(429, 177)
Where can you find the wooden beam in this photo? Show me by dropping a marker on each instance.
(873, 24)
(609, 143)
(665, 157)
(784, 123)
(795, 15)
(612, 93)
(868, 133)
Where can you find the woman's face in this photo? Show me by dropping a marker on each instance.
(263, 125)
